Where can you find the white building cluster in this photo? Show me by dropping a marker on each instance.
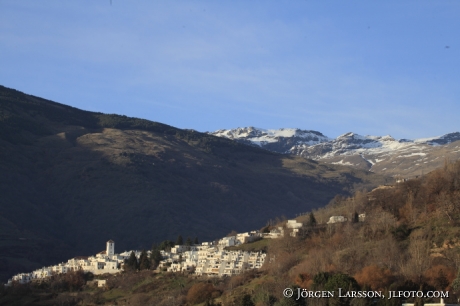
(104, 262)
(292, 228)
(211, 259)
(206, 259)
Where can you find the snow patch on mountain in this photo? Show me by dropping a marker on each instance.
(413, 154)
(342, 163)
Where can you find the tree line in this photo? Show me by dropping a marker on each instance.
(151, 262)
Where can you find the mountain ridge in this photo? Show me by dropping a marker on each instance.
(374, 153)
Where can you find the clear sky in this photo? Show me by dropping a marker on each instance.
(369, 67)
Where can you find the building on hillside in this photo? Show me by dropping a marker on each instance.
(213, 260)
(207, 259)
(336, 219)
(228, 241)
(294, 226)
(110, 248)
(104, 262)
(248, 237)
(101, 254)
(178, 249)
(275, 233)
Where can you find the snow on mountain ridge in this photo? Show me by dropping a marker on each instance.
(381, 154)
(439, 140)
(252, 131)
(262, 137)
(316, 145)
(376, 153)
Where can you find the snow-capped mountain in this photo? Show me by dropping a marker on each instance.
(282, 140)
(382, 154)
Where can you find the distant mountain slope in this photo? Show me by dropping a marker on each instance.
(380, 154)
(71, 179)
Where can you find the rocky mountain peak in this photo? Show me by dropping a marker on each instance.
(376, 153)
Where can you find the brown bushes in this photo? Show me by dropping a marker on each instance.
(374, 277)
(439, 276)
(70, 281)
(201, 292)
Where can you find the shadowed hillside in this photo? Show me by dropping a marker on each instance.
(407, 241)
(72, 179)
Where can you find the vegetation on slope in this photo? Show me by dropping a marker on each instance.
(408, 241)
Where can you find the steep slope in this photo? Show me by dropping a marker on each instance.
(72, 179)
(379, 154)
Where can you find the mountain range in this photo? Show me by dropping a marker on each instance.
(72, 179)
(402, 158)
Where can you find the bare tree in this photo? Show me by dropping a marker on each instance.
(418, 258)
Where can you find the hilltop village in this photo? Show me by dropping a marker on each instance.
(205, 259)
(211, 259)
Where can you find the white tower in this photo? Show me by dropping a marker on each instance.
(110, 251)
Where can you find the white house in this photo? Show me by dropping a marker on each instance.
(336, 219)
(228, 241)
(293, 224)
(275, 233)
(247, 237)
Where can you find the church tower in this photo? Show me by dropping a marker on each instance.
(110, 251)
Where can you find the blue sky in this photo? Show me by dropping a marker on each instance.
(370, 67)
